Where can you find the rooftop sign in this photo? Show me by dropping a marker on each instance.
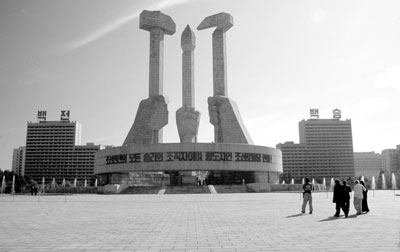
(41, 115)
(64, 115)
(336, 113)
(314, 113)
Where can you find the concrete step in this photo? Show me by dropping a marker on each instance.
(187, 189)
(142, 190)
(230, 188)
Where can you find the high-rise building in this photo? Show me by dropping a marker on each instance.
(367, 164)
(18, 161)
(295, 161)
(391, 160)
(52, 151)
(325, 150)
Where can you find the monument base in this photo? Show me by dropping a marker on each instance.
(135, 179)
(170, 164)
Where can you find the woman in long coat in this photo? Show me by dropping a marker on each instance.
(364, 201)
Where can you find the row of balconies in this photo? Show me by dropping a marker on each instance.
(58, 149)
(61, 173)
(50, 147)
(45, 137)
(51, 143)
(56, 132)
(35, 137)
(328, 133)
(342, 134)
(58, 166)
(62, 164)
(327, 156)
(59, 153)
(60, 157)
(51, 129)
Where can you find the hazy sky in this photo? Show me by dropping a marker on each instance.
(284, 57)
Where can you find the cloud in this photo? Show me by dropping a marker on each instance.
(389, 79)
(102, 31)
(119, 22)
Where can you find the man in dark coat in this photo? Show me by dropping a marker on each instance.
(347, 189)
(339, 199)
(307, 197)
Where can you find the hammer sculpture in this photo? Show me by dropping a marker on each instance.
(157, 24)
(223, 112)
(223, 22)
(152, 114)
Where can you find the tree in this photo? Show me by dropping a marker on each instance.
(92, 180)
(20, 181)
(286, 176)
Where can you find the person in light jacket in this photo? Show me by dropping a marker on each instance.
(358, 196)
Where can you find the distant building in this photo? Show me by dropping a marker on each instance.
(391, 160)
(367, 164)
(295, 161)
(325, 150)
(53, 151)
(18, 161)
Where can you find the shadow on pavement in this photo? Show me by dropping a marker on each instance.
(331, 218)
(295, 215)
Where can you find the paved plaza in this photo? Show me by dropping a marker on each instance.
(206, 222)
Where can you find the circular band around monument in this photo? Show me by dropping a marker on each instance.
(188, 157)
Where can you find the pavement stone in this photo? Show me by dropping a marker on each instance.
(195, 222)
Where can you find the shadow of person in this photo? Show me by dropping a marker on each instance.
(331, 218)
(336, 218)
(295, 215)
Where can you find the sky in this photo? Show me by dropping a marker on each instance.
(284, 57)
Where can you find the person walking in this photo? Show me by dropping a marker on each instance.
(347, 189)
(307, 197)
(339, 198)
(358, 196)
(364, 204)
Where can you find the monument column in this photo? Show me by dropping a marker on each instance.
(188, 44)
(224, 114)
(157, 24)
(187, 118)
(156, 66)
(223, 22)
(152, 114)
(219, 63)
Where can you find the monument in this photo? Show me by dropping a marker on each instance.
(152, 114)
(224, 114)
(144, 160)
(187, 118)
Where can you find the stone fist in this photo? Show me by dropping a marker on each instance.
(187, 120)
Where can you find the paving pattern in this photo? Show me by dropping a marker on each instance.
(195, 222)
